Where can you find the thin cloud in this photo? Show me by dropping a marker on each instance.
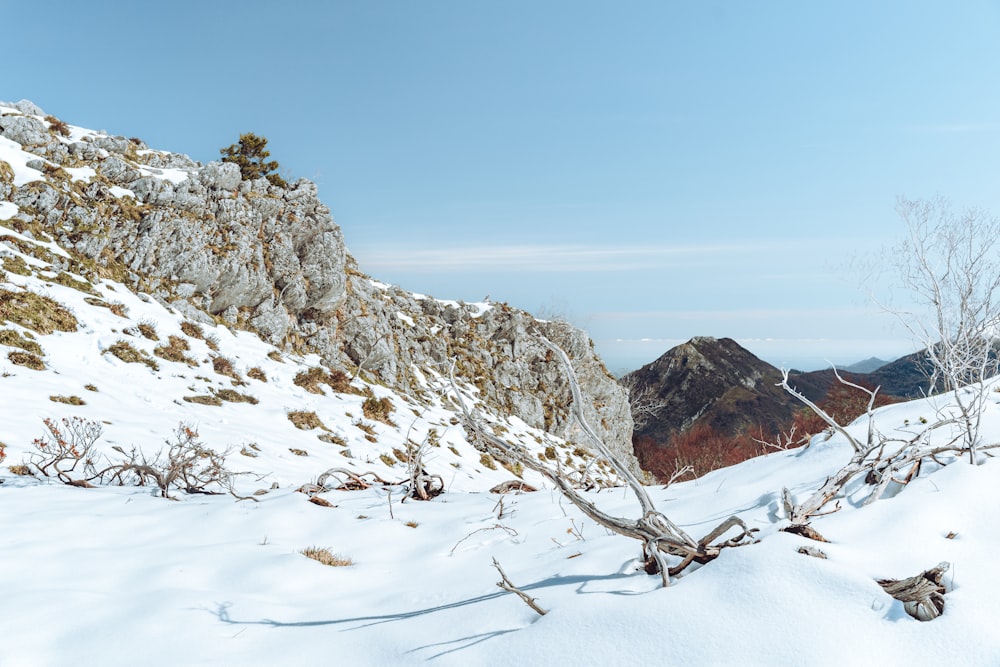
(952, 128)
(551, 258)
(737, 314)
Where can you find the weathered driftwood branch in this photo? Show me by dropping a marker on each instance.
(660, 536)
(513, 486)
(922, 595)
(354, 481)
(506, 585)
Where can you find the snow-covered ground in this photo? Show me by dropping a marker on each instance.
(115, 575)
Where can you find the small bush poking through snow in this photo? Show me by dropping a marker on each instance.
(326, 557)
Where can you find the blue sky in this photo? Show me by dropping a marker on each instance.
(651, 170)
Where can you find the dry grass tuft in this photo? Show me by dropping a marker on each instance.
(11, 338)
(234, 396)
(204, 400)
(124, 351)
(257, 373)
(174, 351)
(305, 420)
(378, 409)
(36, 312)
(192, 329)
(68, 400)
(326, 557)
(27, 360)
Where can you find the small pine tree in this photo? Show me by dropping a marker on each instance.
(251, 155)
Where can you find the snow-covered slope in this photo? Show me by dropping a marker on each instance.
(116, 575)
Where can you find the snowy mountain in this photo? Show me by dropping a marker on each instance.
(137, 325)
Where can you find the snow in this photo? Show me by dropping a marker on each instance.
(80, 173)
(11, 153)
(116, 569)
(116, 576)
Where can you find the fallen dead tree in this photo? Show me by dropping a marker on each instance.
(880, 459)
(661, 538)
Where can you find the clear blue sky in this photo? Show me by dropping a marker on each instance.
(653, 170)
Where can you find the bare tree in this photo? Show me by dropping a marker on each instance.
(660, 536)
(643, 402)
(950, 265)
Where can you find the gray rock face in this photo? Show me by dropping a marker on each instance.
(499, 350)
(272, 259)
(25, 130)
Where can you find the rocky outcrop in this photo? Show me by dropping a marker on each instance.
(272, 260)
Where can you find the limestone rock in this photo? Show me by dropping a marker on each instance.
(211, 245)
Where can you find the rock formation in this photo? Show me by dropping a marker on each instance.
(272, 260)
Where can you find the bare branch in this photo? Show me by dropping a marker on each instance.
(506, 585)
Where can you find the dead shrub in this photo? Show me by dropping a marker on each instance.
(256, 373)
(186, 465)
(66, 446)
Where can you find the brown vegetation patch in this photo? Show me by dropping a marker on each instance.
(68, 400)
(305, 420)
(378, 409)
(326, 557)
(36, 312)
(27, 360)
(204, 400)
(12, 338)
(124, 351)
(174, 351)
(234, 396)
